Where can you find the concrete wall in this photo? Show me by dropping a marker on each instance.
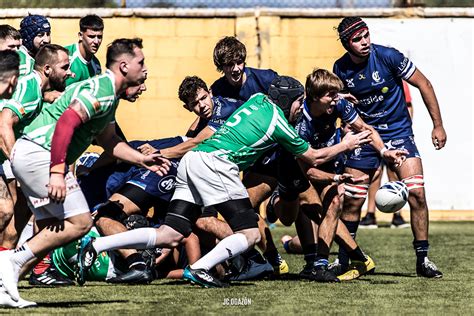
(180, 46)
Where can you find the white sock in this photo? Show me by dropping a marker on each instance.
(19, 257)
(141, 238)
(26, 234)
(229, 247)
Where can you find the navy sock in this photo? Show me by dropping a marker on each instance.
(310, 252)
(421, 250)
(343, 255)
(357, 255)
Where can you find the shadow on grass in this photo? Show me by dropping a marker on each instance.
(396, 274)
(78, 303)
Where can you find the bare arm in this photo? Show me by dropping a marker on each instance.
(438, 135)
(351, 141)
(179, 150)
(8, 119)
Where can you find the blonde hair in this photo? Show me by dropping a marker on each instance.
(320, 82)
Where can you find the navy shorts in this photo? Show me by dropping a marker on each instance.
(367, 157)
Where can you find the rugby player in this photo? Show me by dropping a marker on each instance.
(10, 38)
(55, 139)
(373, 74)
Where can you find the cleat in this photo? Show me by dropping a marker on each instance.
(254, 267)
(7, 276)
(336, 267)
(308, 271)
(86, 258)
(133, 276)
(202, 277)
(271, 217)
(428, 270)
(50, 277)
(321, 273)
(368, 222)
(6, 301)
(357, 269)
(280, 267)
(398, 221)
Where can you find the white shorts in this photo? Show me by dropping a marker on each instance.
(30, 164)
(206, 179)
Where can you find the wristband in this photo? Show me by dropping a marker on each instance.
(337, 178)
(382, 151)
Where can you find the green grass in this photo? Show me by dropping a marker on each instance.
(393, 289)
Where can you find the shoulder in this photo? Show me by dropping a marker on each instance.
(71, 48)
(385, 52)
(266, 74)
(219, 83)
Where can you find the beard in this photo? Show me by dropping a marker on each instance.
(57, 83)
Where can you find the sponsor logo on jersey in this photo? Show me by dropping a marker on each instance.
(376, 78)
(403, 64)
(167, 184)
(350, 83)
(361, 77)
(372, 99)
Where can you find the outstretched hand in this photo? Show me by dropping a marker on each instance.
(156, 163)
(395, 156)
(353, 141)
(147, 149)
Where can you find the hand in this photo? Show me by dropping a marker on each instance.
(156, 163)
(438, 136)
(57, 187)
(51, 96)
(353, 141)
(147, 149)
(349, 178)
(349, 97)
(395, 156)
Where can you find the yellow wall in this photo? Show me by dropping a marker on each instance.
(177, 47)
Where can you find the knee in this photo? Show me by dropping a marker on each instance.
(203, 223)
(253, 236)
(174, 237)
(84, 224)
(417, 198)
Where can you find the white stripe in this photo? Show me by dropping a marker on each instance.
(283, 125)
(270, 129)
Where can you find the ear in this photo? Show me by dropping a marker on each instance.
(47, 69)
(80, 34)
(123, 66)
(13, 81)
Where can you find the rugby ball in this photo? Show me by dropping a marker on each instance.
(391, 196)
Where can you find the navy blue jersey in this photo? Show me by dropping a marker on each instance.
(377, 84)
(101, 183)
(257, 80)
(223, 109)
(323, 132)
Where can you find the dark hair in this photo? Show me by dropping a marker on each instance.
(9, 31)
(121, 46)
(189, 87)
(9, 64)
(229, 50)
(320, 82)
(91, 22)
(48, 54)
(348, 27)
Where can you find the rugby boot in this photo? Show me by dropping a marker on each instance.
(357, 269)
(49, 277)
(368, 222)
(134, 276)
(85, 258)
(202, 278)
(398, 221)
(428, 269)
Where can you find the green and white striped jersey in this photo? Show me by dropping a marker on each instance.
(26, 102)
(252, 129)
(82, 68)
(27, 62)
(97, 96)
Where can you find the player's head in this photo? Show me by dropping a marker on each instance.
(125, 57)
(322, 90)
(91, 32)
(229, 58)
(194, 93)
(35, 32)
(9, 72)
(53, 62)
(10, 38)
(134, 92)
(288, 94)
(354, 35)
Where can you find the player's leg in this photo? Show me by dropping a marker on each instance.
(18, 222)
(7, 201)
(369, 221)
(411, 172)
(397, 219)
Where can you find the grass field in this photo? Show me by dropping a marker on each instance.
(393, 289)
